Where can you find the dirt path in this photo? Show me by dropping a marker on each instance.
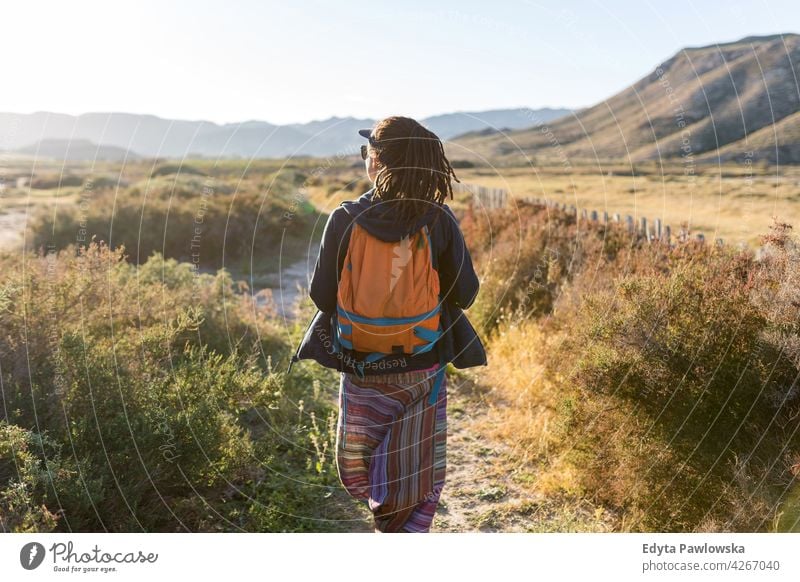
(476, 495)
(472, 489)
(482, 493)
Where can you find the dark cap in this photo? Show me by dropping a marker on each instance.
(367, 133)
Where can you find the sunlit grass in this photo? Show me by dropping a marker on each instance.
(729, 203)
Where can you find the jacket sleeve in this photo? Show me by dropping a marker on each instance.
(459, 283)
(325, 279)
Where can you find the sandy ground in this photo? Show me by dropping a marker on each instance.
(480, 493)
(12, 225)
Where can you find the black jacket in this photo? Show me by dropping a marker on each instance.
(459, 286)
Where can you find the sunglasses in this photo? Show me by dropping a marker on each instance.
(374, 143)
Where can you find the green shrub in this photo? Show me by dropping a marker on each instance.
(23, 506)
(145, 398)
(686, 396)
(171, 169)
(53, 181)
(202, 221)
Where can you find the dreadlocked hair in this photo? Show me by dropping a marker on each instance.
(414, 169)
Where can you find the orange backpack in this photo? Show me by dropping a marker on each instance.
(388, 298)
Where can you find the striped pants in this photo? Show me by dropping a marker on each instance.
(391, 446)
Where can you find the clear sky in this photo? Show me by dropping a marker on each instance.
(286, 62)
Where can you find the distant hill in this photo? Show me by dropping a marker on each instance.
(733, 100)
(152, 136)
(451, 125)
(76, 149)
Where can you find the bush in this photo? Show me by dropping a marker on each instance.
(145, 398)
(683, 392)
(528, 255)
(50, 182)
(199, 221)
(456, 164)
(660, 383)
(25, 480)
(171, 169)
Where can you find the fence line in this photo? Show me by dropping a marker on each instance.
(500, 197)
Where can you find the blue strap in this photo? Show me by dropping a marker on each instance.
(360, 369)
(440, 372)
(424, 348)
(437, 382)
(427, 334)
(340, 342)
(387, 320)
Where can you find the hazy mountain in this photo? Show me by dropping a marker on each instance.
(148, 135)
(335, 135)
(719, 100)
(76, 149)
(450, 125)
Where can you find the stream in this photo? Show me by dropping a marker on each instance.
(12, 225)
(283, 285)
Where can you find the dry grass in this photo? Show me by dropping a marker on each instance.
(597, 405)
(727, 204)
(734, 202)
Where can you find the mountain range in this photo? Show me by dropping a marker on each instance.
(113, 135)
(722, 102)
(731, 101)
